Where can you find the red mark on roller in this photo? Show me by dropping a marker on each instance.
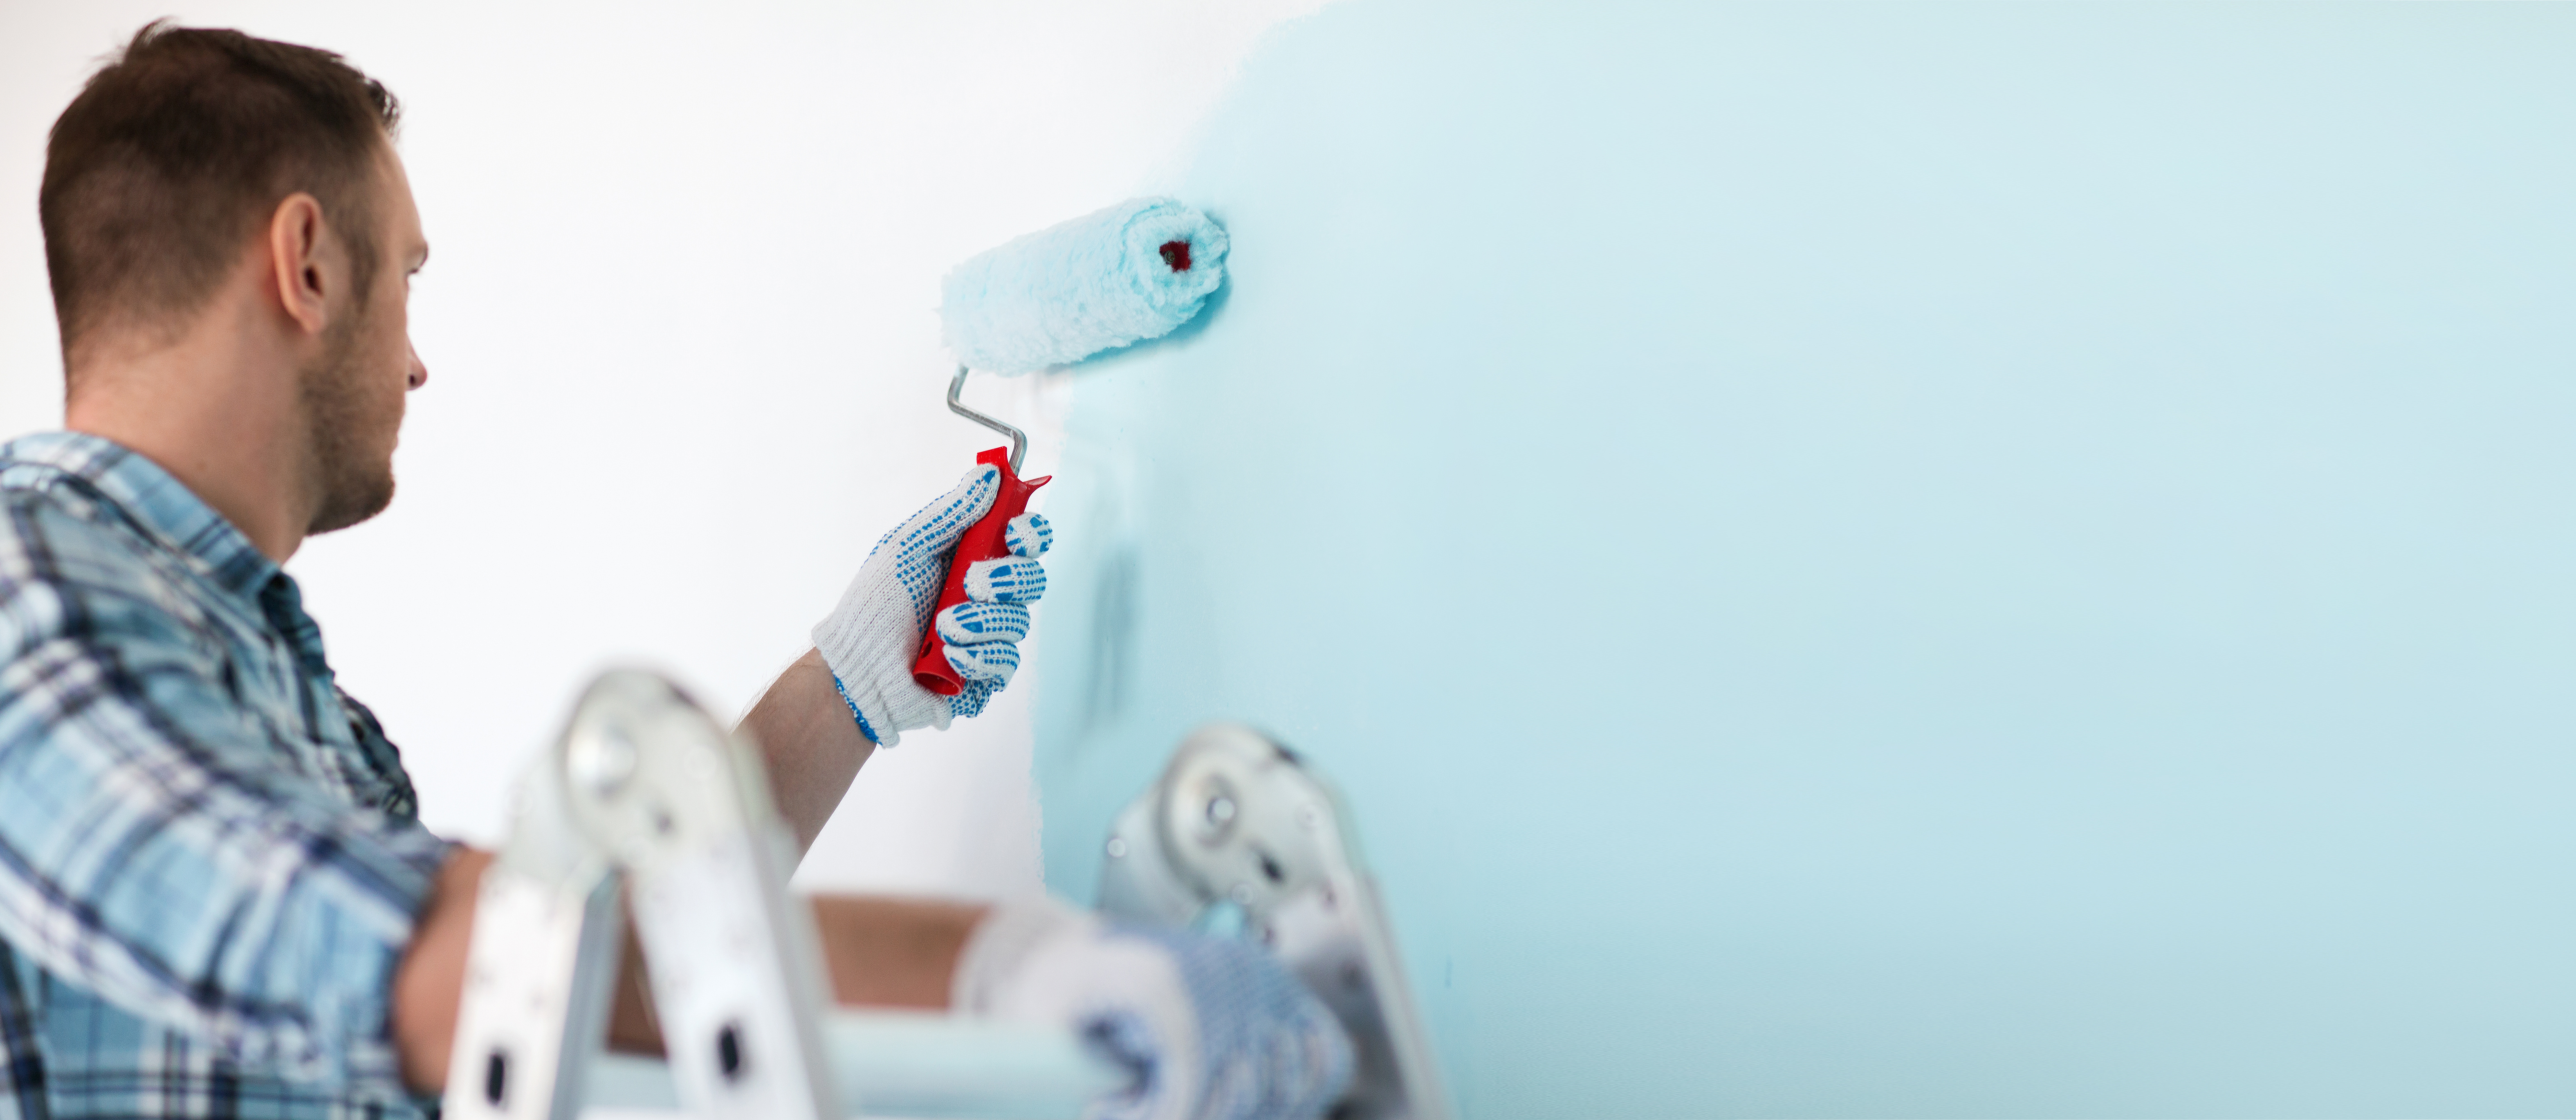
(1177, 255)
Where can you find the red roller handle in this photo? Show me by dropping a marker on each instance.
(983, 541)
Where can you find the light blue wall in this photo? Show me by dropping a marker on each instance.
(1934, 560)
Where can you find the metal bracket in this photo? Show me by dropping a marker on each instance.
(644, 788)
(683, 807)
(644, 783)
(539, 969)
(535, 1000)
(1237, 821)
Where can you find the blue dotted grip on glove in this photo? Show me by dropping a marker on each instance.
(982, 635)
(891, 614)
(933, 669)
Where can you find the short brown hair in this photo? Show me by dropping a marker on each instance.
(179, 149)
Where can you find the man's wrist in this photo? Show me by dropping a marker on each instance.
(855, 713)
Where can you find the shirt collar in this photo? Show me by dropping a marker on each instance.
(154, 499)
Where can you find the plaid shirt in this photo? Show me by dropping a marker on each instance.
(209, 857)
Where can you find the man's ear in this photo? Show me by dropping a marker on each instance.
(303, 260)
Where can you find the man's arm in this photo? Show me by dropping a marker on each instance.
(890, 952)
(810, 744)
(883, 951)
(429, 984)
(886, 952)
(808, 732)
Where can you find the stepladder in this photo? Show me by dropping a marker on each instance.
(647, 806)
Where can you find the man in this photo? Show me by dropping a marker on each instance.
(215, 896)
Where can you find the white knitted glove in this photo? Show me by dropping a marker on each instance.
(871, 638)
(1212, 1028)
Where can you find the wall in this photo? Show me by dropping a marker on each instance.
(684, 359)
(1996, 560)
(1925, 560)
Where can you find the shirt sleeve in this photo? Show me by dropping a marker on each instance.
(158, 846)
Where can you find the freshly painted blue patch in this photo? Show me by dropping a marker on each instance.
(2116, 461)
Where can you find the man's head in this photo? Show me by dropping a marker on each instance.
(201, 167)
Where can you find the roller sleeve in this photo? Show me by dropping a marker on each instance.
(1132, 272)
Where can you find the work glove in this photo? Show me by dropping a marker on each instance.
(1210, 1028)
(872, 637)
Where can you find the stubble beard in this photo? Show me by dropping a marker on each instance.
(356, 475)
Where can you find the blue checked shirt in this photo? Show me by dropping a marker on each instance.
(209, 856)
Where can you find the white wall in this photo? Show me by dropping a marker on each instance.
(683, 352)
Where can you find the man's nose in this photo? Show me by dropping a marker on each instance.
(419, 372)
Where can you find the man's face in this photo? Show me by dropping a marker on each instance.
(353, 396)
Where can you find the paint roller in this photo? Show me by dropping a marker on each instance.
(1128, 274)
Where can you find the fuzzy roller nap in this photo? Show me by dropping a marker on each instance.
(1129, 273)
(1123, 275)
